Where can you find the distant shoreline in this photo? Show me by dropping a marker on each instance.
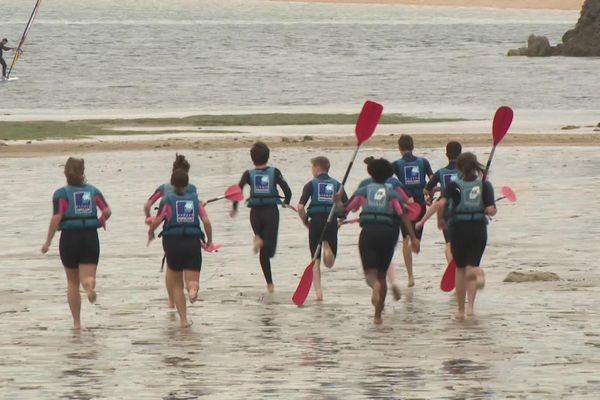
(566, 5)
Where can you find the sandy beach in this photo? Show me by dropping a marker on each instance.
(529, 340)
(505, 4)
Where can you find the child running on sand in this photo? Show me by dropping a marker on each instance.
(399, 188)
(264, 198)
(76, 216)
(320, 190)
(160, 192)
(443, 177)
(467, 202)
(181, 236)
(377, 241)
(412, 171)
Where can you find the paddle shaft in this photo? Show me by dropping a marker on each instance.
(332, 212)
(489, 163)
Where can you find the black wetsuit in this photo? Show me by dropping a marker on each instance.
(2, 62)
(265, 222)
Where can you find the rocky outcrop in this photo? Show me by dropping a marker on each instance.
(583, 41)
(532, 276)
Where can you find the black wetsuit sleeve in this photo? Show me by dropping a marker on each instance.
(306, 193)
(55, 202)
(435, 179)
(244, 180)
(452, 192)
(427, 166)
(488, 195)
(287, 192)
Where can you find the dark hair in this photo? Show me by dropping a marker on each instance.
(321, 162)
(179, 179)
(259, 152)
(75, 171)
(380, 170)
(453, 150)
(4, 40)
(405, 143)
(181, 163)
(368, 160)
(468, 166)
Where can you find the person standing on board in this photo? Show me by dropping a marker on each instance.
(413, 172)
(4, 47)
(76, 216)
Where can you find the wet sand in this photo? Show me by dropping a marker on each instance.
(529, 340)
(515, 4)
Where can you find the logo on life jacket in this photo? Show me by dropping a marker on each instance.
(326, 192)
(475, 193)
(262, 184)
(412, 175)
(184, 212)
(449, 178)
(379, 197)
(83, 202)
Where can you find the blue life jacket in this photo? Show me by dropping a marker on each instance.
(184, 220)
(378, 209)
(263, 190)
(471, 207)
(412, 175)
(82, 212)
(167, 188)
(447, 175)
(321, 200)
(392, 183)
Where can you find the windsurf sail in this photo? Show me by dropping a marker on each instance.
(19, 49)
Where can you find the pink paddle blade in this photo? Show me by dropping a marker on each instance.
(234, 193)
(367, 121)
(211, 249)
(502, 121)
(414, 211)
(449, 278)
(303, 288)
(509, 194)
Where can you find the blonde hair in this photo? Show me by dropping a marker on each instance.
(75, 171)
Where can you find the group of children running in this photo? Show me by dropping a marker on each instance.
(462, 210)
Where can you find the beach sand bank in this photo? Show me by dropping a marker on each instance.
(529, 340)
(516, 4)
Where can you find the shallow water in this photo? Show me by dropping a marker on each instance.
(536, 340)
(126, 57)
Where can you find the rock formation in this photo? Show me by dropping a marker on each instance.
(583, 41)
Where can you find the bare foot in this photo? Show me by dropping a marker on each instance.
(193, 294)
(185, 324)
(319, 295)
(396, 292)
(411, 282)
(377, 320)
(328, 257)
(470, 312)
(460, 316)
(270, 288)
(76, 326)
(91, 296)
(258, 244)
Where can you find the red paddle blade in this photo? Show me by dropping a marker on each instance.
(303, 288)
(234, 193)
(509, 194)
(414, 211)
(211, 249)
(367, 121)
(448, 280)
(502, 121)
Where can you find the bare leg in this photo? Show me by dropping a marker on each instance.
(328, 257)
(380, 285)
(87, 274)
(258, 244)
(170, 303)
(73, 296)
(317, 280)
(192, 284)
(472, 286)
(175, 280)
(391, 277)
(407, 253)
(461, 289)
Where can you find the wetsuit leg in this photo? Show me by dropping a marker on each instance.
(376, 245)
(3, 63)
(317, 223)
(265, 223)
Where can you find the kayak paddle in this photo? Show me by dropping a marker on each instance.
(365, 127)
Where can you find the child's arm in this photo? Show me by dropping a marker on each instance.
(244, 180)
(207, 225)
(54, 223)
(287, 192)
(432, 210)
